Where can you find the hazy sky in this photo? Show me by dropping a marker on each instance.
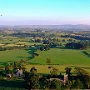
(25, 12)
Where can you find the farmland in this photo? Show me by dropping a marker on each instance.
(44, 45)
(43, 52)
(62, 56)
(13, 55)
(56, 55)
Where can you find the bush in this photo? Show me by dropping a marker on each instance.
(56, 84)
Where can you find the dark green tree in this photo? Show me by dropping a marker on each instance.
(56, 84)
(34, 81)
(68, 70)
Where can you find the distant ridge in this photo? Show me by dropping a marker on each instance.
(66, 27)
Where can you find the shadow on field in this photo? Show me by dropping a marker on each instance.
(34, 63)
(12, 84)
(20, 57)
(2, 63)
(86, 53)
(30, 58)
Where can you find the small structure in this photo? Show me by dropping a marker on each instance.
(8, 75)
(19, 72)
(65, 78)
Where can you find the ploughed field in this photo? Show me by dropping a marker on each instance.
(55, 56)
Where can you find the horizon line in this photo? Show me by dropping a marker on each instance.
(40, 24)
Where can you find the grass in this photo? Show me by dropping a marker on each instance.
(13, 55)
(12, 41)
(61, 68)
(62, 56)
(44, 68)
(56, 55)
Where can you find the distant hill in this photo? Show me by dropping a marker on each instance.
(66, 27)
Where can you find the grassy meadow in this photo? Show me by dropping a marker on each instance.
(62, 56)
(13, 55)
(59, 58)
(56, 56)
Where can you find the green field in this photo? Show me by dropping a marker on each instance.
(13, 55)
(56, 55)
(62, 56)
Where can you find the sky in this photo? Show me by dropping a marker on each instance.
(44, 12)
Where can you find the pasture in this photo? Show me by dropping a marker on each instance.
(61, 68)
(59, 58)
(13, 55)
(62, 56)
(56, 56)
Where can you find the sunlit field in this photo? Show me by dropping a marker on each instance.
(62, 56)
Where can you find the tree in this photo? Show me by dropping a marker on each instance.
(54, 71)
(7, 69)
(56, 84)
(48, 61)
(41, 48)
(31, 79)
(15, 65)
(84, 76)
(44, 83)
(34, 81)
(68, 85)
(78, 84)
(68, 70)
(32, 50)
(73, 45)
(63, 40)
(33, 70)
